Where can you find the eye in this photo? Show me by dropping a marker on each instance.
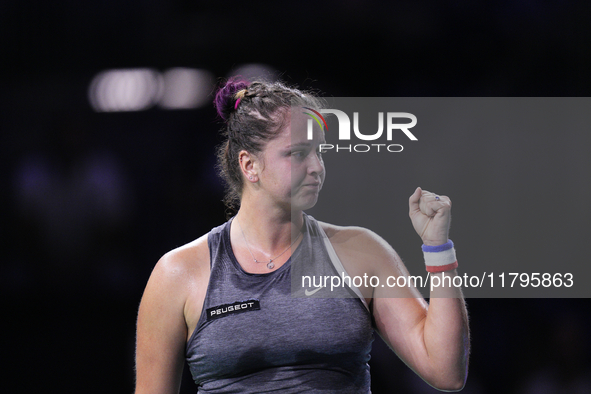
(298, 154)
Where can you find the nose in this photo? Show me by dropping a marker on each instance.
(316, 165)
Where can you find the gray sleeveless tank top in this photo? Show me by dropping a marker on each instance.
(253, 336)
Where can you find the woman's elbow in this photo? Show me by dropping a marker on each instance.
(451, 385)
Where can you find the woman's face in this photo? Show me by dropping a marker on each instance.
(293, 168)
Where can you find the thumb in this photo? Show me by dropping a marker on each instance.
(413, 201)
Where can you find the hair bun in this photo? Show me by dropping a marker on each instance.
(224, 99)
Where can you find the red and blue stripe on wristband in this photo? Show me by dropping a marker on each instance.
(441, 257)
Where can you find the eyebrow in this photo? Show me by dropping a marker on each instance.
(303, 145)
(300, 145)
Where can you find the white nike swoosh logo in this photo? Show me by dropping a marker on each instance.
(309, 293)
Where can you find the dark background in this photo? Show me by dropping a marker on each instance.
(77, 254)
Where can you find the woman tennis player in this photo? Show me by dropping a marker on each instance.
(225, 303)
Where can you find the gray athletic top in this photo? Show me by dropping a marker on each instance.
(253, 336)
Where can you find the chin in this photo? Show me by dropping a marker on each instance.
(303, 203)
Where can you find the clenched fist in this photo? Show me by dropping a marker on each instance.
(430, 215)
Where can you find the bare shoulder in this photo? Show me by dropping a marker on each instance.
(361, 244)
(355, 237)
(176, 275)
(185, 261)
(177, 285)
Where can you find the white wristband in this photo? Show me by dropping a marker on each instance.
(440, 258)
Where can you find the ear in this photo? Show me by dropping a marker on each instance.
(249, 166)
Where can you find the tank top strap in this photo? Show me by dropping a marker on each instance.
(321, 241)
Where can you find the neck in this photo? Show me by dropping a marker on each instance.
(268, 230)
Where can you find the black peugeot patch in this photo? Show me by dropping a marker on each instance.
(234, 308)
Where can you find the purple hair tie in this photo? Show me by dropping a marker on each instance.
(237, 102)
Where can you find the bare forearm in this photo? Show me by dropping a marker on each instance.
(446, 334)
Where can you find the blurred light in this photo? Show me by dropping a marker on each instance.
(186, 88)
(256, 71)
(139, 89)
(125, 90)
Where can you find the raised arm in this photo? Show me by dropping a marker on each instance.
(161, 329)
(432, 339)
